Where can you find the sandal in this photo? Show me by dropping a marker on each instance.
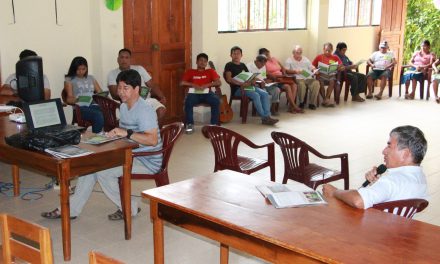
(55, 214)
(370, 96)
(409, 96)
(378, 97)
(118, 215)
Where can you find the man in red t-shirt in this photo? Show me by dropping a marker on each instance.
(199, 81)
(328, 58)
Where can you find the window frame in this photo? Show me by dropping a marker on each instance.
(285, 23)
(370, 24)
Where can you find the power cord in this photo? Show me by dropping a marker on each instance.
(29, 193)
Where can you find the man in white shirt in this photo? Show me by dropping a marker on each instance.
(381, 63)
(10, 85)
(404, 178)
(295, 65)
(124, 61)
(259, 66)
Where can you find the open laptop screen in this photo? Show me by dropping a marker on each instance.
(44, 114)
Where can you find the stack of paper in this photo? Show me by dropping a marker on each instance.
(68, 151)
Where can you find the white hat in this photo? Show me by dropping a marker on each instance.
(383, 44)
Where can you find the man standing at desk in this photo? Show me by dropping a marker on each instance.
(404, 178)
(138, 122)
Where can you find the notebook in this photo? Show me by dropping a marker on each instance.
(47, 117)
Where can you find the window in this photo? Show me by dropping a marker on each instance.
(352, 13)
(251, 15)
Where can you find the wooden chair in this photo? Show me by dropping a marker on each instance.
(76, 117)
(426, 77)
(99, 258)
(406, 208)
(25, 241)
(390, 80)
(108, 107)
(169, 134)
(298, 168)
(225, 143)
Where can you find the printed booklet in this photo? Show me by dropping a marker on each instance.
(84, 100)
(99, 139)
(283, 196)
(327, 69)
(68, 151)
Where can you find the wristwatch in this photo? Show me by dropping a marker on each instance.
(129, 133)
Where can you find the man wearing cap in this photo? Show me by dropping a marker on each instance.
(381, 63)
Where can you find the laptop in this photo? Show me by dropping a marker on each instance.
(47, 117)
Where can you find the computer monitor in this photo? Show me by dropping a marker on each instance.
(30, 82)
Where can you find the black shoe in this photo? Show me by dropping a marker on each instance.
(269, 121)
(312, 107)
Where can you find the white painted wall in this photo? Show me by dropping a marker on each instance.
(87, 28)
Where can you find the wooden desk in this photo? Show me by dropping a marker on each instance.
(111, 154)
(226, 207)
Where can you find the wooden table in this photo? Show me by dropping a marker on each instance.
(108, 155)
(226, 207)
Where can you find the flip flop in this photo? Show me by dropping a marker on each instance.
(378, 97)
(55, 214)
(370, 96)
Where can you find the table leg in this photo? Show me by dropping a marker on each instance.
(16, 179)
(63, 176)
(126, 197)
(157, 233)
(224, 254)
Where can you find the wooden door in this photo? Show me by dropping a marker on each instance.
(392, 25)
(159, 34)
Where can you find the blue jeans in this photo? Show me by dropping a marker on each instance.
(93, 114)
(260, 99)
(194, 99)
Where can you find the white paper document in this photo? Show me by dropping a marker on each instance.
(283, 195)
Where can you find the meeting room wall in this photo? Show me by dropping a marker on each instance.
(361, 40)
(84, 28)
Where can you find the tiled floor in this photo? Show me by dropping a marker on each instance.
(360, 129)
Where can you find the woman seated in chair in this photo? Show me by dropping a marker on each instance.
(79, 84)
(274, 70)
(381, 63)
(358, 81)
(327, 79)
(420, 62)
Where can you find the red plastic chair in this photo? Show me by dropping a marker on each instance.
(108, 107)
(406, 208)
(390, 80)
(169, 134)
(76, 118)
(426, 77)
(298, 168)
(225, 143)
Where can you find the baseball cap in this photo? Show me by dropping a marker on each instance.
(383, 44)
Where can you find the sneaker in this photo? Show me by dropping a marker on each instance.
(312, 107)
(189, 129)
(269, 121)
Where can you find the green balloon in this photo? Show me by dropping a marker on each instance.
(113, 4)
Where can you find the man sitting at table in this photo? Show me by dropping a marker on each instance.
(404, 178)
(10, 85)
(138, 122)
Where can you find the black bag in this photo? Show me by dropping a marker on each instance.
(41, 141)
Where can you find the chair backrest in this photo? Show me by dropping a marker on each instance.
(108, 108)
(406, 208)
(169, 134)
(25, 241)
(295, 154)
(225, 143)
(99, 258)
